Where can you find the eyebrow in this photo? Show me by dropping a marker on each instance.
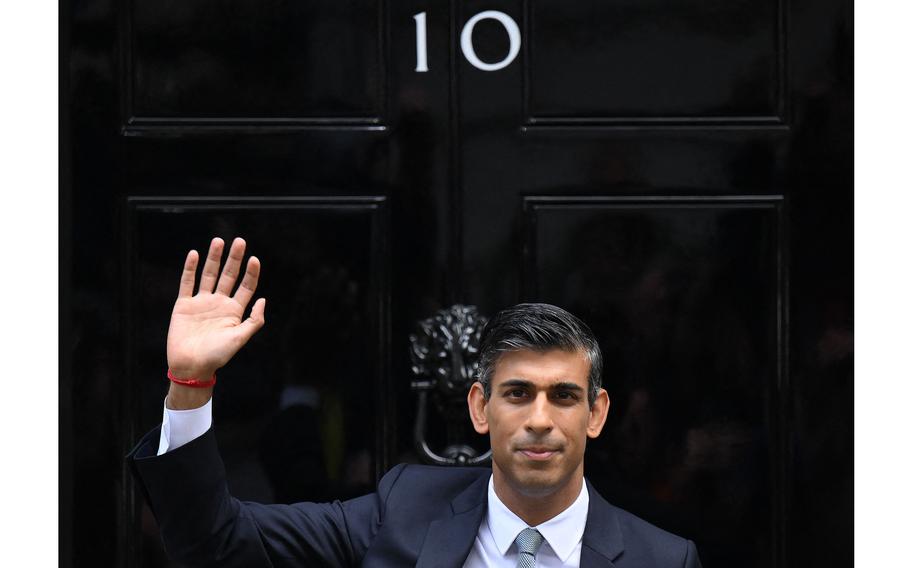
(567, 386)
(562, 385)
(514, 383)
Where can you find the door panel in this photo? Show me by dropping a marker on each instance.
(686, 298)
(293, 407)
(302, 62)
(653, 62)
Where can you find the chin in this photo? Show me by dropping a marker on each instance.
(539, 485)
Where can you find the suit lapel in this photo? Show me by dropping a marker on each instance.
(602, 541)
(449, 539)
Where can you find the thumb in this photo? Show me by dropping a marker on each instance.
(252, 324)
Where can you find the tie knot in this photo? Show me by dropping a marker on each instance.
(529, 541)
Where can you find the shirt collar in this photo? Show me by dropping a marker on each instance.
(563, 532)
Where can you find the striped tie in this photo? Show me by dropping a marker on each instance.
(528, 542)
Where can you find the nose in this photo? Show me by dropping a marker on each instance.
(539, 420)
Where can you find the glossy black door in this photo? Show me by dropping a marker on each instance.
(677, 174)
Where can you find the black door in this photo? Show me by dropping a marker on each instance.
(678, 174)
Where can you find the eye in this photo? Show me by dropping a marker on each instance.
(515, 393)
(566, 396)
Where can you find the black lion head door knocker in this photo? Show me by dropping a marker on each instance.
(444, 354)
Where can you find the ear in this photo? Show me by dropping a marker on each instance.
(598, 415)
(477, 406)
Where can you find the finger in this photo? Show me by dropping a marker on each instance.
(188, 276)
(248, 285)
(253, 323)
(212, 263)
(231, 268)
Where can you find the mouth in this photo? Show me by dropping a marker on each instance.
(538, 453)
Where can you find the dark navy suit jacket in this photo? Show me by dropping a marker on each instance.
(419, 516)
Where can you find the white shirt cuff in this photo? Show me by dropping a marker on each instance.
(179, 427)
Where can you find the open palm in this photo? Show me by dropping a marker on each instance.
(208, 328)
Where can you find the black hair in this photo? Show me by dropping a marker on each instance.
(537, 327)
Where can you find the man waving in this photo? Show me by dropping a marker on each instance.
(538, 395)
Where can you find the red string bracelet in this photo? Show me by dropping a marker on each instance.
(192, 383)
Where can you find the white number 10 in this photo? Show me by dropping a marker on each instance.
(467, 43)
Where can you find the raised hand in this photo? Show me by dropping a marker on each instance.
(207, 329)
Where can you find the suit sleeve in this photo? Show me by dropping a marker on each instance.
(203, 525)
(692, 560)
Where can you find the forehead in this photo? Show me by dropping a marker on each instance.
(542, 367)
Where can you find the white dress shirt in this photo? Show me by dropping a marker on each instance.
(179, 427)
(495, 541)
(494, 545)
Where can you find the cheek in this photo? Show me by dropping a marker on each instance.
(577, 430)
(498, 438)
(500, 433)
